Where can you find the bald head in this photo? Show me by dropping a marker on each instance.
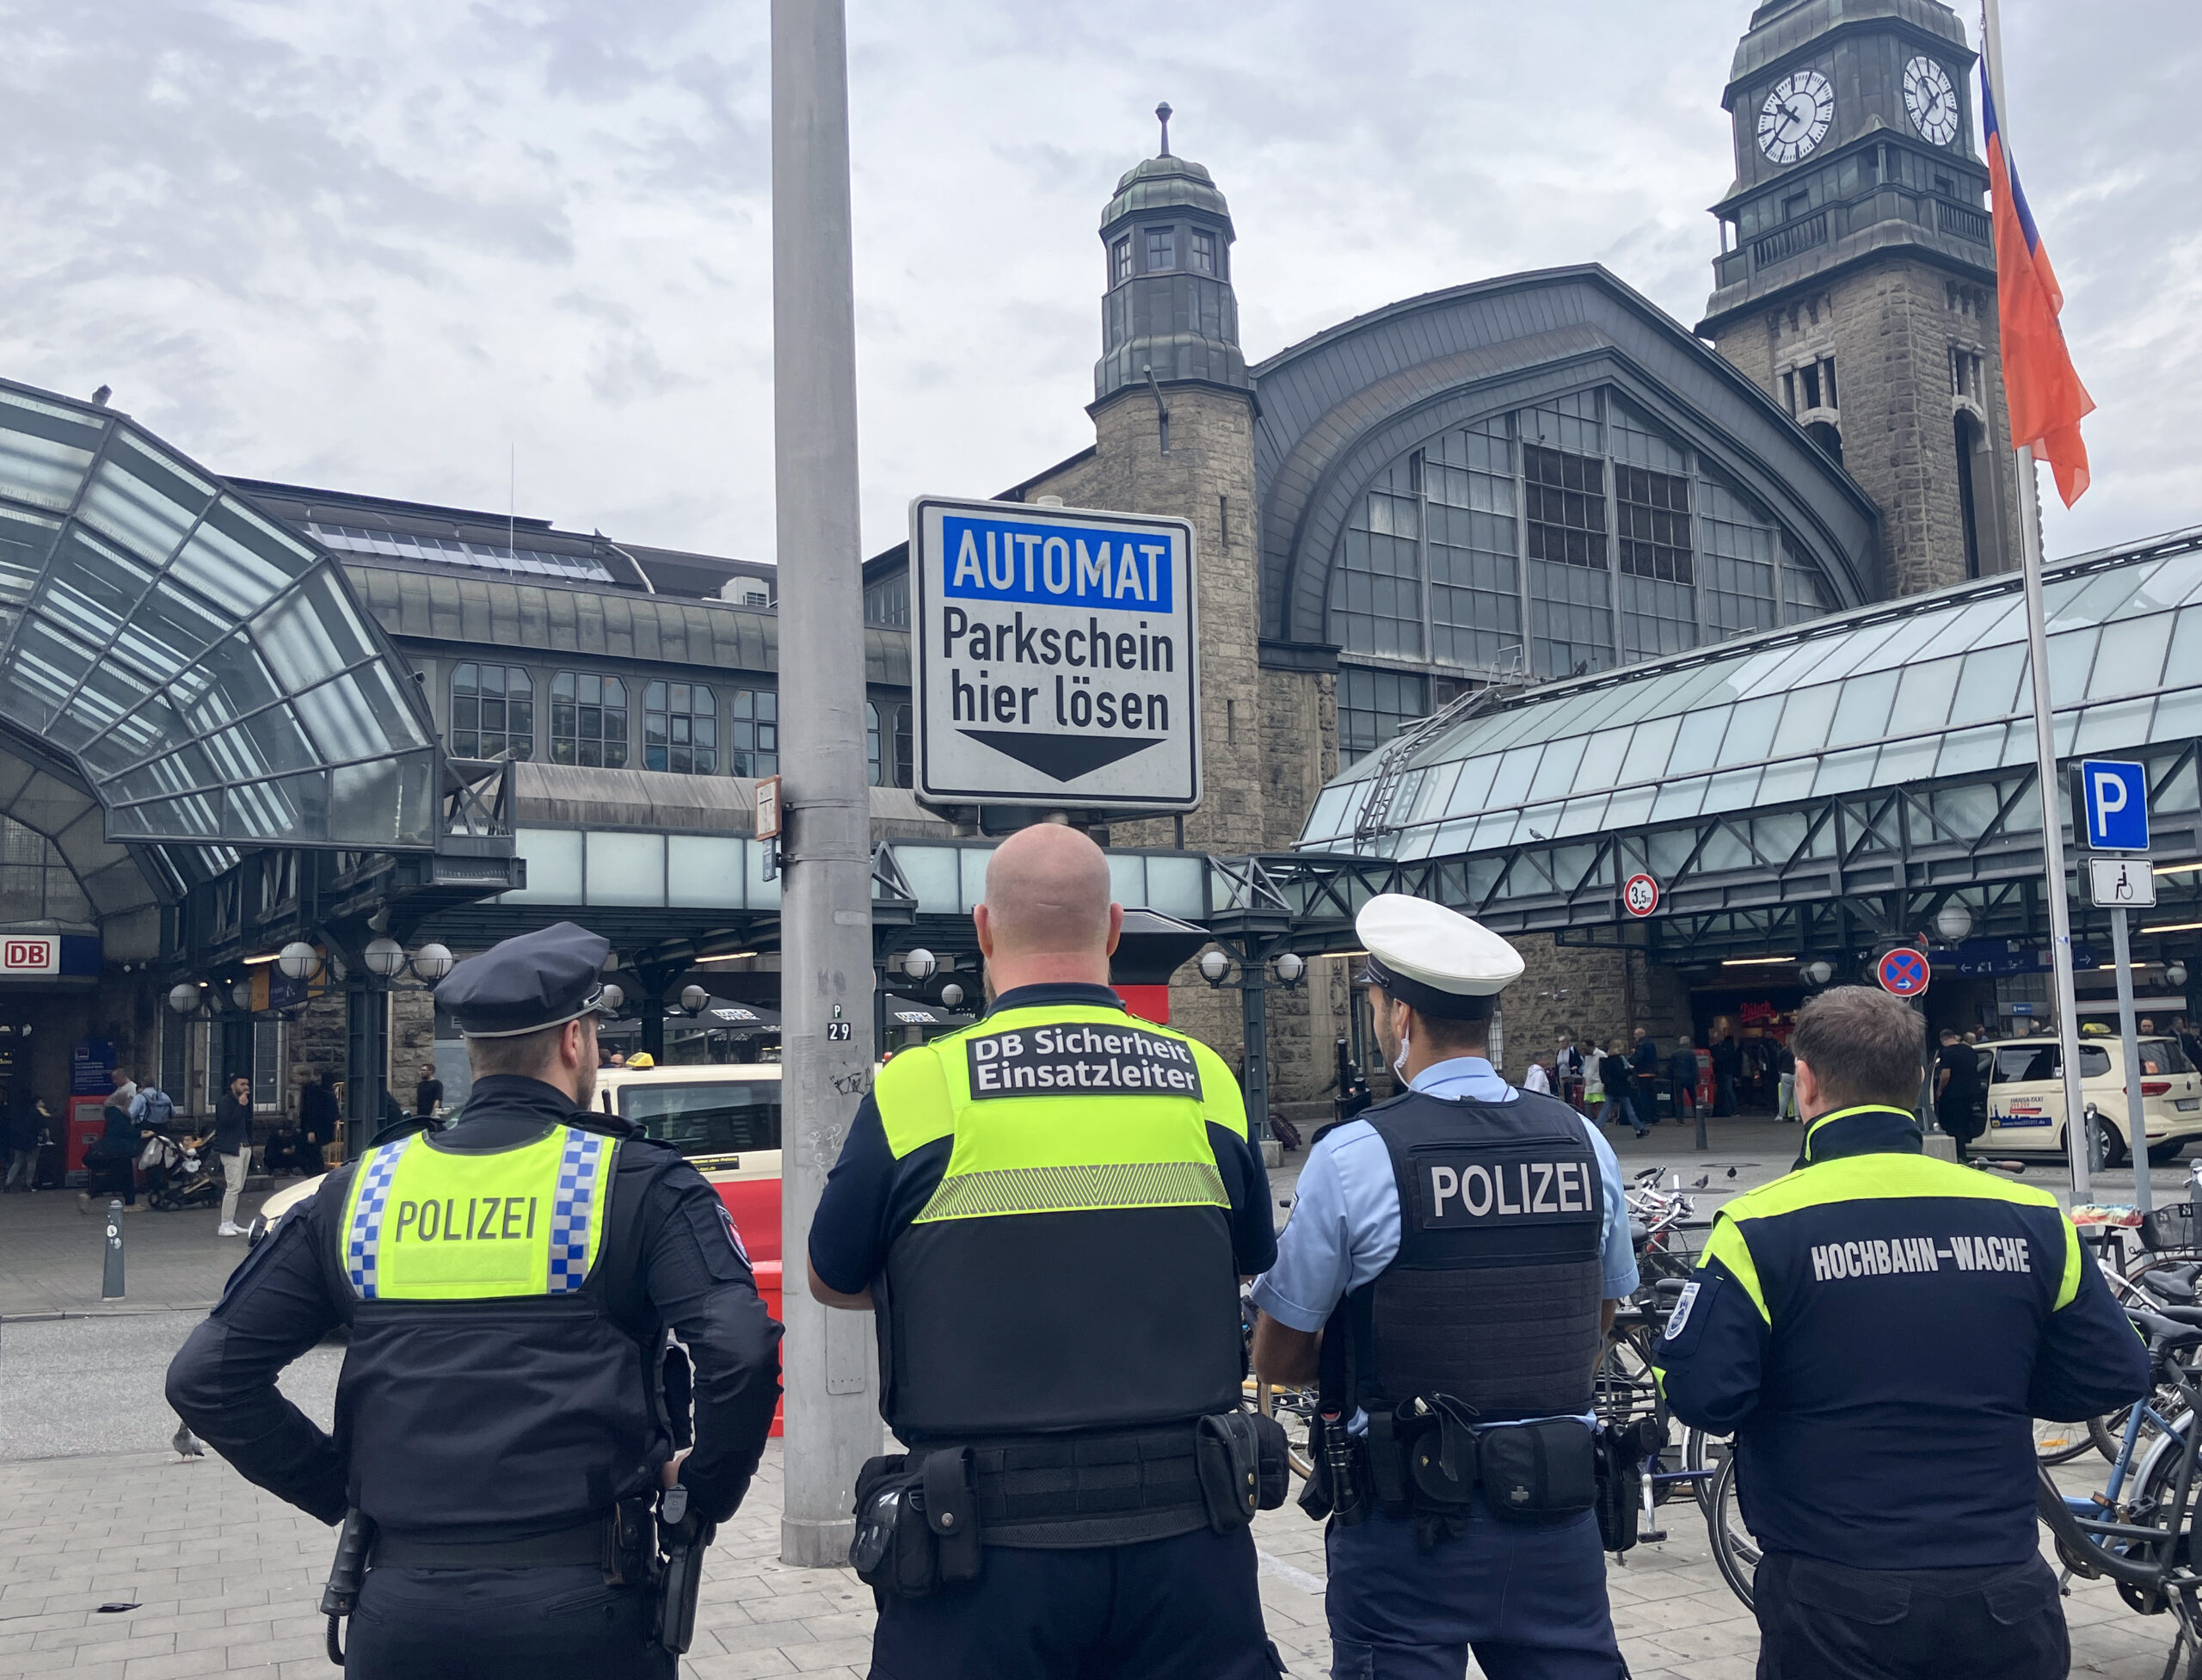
(1048, 913)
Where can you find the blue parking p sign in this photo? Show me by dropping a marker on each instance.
(2116, 798)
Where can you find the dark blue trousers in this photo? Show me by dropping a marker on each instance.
(1529, 1599)
(561, 1624)
(1184, 1608)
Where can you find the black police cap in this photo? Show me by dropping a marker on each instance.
(529, 982)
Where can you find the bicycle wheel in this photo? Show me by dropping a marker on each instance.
(1734, 1550)
(1701, 1451)
(2060, 1443)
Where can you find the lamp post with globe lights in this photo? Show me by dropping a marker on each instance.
(1259, 966)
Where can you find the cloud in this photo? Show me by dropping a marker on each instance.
(381, 246)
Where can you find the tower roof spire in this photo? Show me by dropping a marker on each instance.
(1163, 112)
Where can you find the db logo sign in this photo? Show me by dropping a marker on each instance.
(1639, 895)
(29, 955)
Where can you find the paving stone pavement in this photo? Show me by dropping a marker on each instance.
(226, 1578)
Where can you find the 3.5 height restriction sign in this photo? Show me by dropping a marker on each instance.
(1057, 657)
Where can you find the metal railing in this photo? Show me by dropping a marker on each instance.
(1798, 236)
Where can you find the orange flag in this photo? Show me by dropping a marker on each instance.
(2044, 393)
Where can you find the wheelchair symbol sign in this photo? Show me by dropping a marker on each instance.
(1903, 972)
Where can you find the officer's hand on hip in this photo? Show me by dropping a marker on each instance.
(671, 1474)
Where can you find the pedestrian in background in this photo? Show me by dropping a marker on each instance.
(1957, 1089)
(318, 1115)
(24, 1130)
(1594, 1082)
(111, 1163)
(1681, 1073)
(428, 1094)
(1727, 1068)
(1644, 1062)
(1567, 1069)
(231, 1143)
(1622, 1097)
(1536, 1079)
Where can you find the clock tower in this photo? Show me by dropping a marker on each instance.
(1857, 280)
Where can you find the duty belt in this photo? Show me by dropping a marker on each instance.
(1086, 1490)
(615, 1541)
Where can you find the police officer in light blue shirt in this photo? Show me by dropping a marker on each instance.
(1454, 1261)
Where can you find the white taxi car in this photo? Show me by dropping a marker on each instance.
(2026, 1096)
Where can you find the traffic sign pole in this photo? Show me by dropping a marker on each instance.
(2129, 1034)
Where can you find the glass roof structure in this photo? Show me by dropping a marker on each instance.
(451, 551)
(207, 675)
(1928, 689)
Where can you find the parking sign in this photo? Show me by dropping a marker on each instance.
(2115, 795)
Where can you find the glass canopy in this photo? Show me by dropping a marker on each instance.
(1929, 688)
(207, 673)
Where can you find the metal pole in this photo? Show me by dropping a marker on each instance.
(1254, 1031)
(2076, 1129)
(826, 921)
(111, 1272)
(2129, 1036)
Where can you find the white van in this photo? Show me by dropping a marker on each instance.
(2025, 1096)
(724, 1117)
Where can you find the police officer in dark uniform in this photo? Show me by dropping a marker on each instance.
(1455, 1258)
(1050, 1212)
(510, 1408)
(1878, 1329)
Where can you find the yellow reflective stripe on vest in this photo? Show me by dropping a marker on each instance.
(427, 1224)
(1022, 1190)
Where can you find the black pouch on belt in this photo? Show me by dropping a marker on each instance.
(1536, 1471)
(952, 1514)
(893, 1549)
(1620, 1488)
(1226, 1456)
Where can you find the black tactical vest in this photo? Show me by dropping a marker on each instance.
(1494, 1295)
(481, 1419)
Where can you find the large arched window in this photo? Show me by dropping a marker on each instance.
(1555, 540)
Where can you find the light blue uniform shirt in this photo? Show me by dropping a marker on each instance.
(1345, 1221)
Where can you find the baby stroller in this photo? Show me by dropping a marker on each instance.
(176, 1176)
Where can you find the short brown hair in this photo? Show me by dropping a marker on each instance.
(1863, 1046)
(524, 1055)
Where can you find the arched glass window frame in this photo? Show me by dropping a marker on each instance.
(1622, 434)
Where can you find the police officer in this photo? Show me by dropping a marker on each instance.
(1050, 1213)
(502, 1420)
(1878, 1328)
(1454, 1261)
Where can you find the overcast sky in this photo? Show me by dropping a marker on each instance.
(389, 245)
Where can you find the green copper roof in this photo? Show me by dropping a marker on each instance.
(1163, 183)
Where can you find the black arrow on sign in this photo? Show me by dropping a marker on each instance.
(1062, 757)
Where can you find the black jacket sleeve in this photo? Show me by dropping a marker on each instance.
(222, 1382)
(2091, 1359)
(698, 1277)
(1710, 1367)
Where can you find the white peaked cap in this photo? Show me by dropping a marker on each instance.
(1431, 958)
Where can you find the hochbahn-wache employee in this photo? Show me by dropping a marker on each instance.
(504, 1417)
(1879, 1329)
(1050, 1212)
(1454, 1259)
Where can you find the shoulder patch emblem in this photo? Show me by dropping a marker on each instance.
(733, 1233)
(1680, 1317)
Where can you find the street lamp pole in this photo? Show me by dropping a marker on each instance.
(833, 1426)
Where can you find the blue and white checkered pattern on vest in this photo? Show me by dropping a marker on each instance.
(573, 1209)
(363, 1245)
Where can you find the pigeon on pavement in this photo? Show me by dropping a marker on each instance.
(186, 1444)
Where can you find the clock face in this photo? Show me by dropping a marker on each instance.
(1931, 101)
(1796, 116)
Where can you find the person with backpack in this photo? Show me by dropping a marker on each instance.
(111, 1162)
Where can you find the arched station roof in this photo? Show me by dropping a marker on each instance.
(177, 662)
(1337, 408)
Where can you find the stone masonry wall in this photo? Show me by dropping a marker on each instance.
(1891, 329)
(1208, 478)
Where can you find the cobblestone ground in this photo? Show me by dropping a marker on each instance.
(225, 1580)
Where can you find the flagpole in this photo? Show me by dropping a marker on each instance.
(2077, 1134)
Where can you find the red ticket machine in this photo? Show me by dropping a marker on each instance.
(87, 1120)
